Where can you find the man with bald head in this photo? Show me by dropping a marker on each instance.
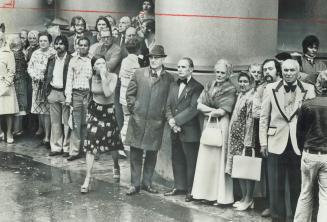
(277, 132)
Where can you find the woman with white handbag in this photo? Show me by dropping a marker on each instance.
(216, 102)
(241, 125)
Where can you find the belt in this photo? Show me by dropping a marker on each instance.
(315, 151)
(57, 89)
(80, 89)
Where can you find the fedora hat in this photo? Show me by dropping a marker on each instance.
(157, 50)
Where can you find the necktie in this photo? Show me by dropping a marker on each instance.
(179, 81)
(289, 88)
(154, 74)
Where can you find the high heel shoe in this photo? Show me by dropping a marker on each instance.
(86, 189)
(245, 206)
(237, 203)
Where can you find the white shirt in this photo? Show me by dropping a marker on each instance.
(58, 72)
(182, 86)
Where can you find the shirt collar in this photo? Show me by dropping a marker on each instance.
(286, 84)
(63, 58)
(158, 72)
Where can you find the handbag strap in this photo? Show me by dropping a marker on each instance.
(209, 120)
(243, 152)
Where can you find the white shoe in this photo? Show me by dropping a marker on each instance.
(237, 203)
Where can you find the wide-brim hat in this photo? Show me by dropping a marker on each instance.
(157, 50)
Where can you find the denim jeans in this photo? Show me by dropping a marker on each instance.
(59, 114)
(313, 166)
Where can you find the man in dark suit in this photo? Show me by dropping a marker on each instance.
(182, 116)
(55, 84)
(277, 132)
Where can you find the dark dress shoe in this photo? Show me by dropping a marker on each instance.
(55, 153)
(65, 154)
(149, 189)
(71, 158)
(188, 198)
(133, 191)
(175, 192)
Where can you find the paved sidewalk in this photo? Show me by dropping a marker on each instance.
(28, 148)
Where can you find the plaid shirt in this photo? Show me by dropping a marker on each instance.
(78, 75)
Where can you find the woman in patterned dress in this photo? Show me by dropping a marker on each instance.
(240, 125)
(217, 99)
(36, 69)
(102, 130)
(20, 82)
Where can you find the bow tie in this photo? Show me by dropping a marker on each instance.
(290, 88)
(179, 81)
(154, 74)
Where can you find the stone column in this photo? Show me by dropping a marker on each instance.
(242, 31)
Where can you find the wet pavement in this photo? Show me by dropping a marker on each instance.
(36, 187)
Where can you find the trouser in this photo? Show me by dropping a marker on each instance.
(80, 103)
(278, 165)
(59, 114)
(313, 166)
(136, 160)
(184, 156)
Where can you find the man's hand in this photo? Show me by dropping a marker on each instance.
(172, 122)
(264, 151)
(177, 129)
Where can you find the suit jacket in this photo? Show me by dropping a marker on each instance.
(49, 72)
(146, 100)
(184, 109)
(113, 57)
(275, 125)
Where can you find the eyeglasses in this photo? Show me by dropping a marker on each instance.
(106, 37)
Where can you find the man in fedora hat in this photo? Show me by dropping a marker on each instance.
(146, 97)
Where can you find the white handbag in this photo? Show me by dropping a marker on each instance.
(212, 135)
(246, 167)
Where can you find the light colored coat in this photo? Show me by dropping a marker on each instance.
(275, 124)
(146, 100)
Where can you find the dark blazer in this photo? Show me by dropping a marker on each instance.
(184, 109)
(49, 72)
(146, 101)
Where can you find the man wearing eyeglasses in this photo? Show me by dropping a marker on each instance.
(146, 98)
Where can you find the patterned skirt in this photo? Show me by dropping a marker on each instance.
(102, 130)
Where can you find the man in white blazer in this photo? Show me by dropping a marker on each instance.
(277, 133)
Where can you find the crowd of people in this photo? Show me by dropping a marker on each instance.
(104, 91)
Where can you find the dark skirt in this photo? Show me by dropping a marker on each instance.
(103, 134)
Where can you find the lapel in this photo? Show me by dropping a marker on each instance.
(185, 91)
(299, 97)
(280, 100)
(147, 76)
(278, 93)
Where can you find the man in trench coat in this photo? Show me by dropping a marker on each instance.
(146, 98)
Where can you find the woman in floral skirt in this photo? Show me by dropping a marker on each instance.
(102, 130)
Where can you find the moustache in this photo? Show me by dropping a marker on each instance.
(268, 78)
